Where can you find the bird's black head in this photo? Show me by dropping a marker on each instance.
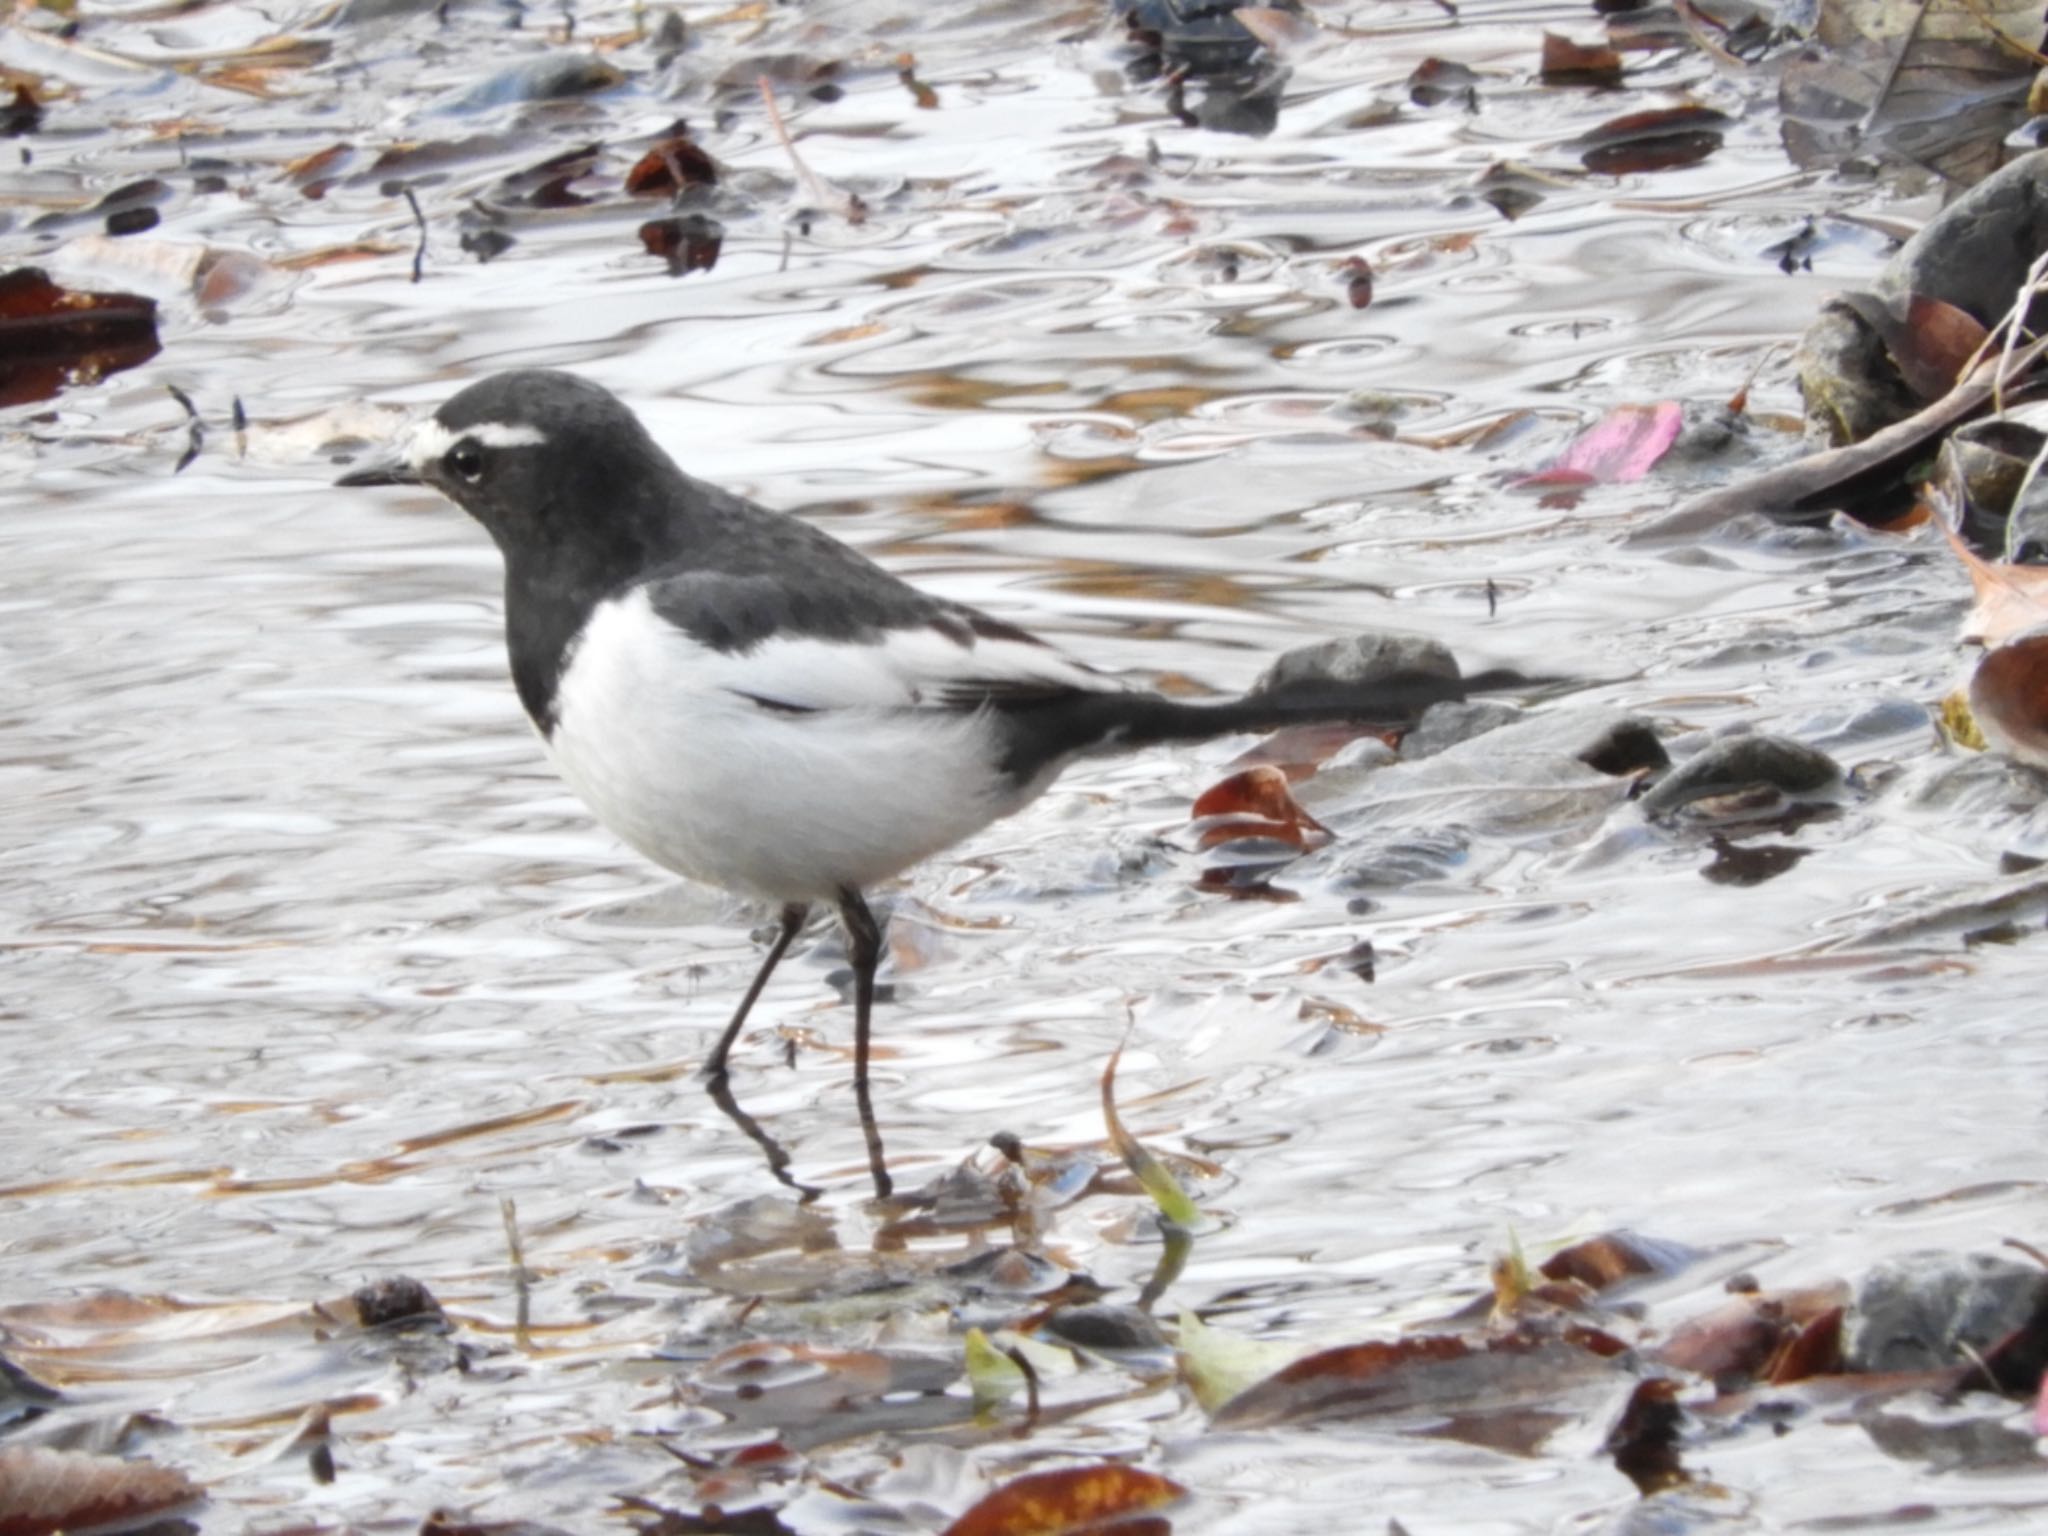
(552, 465)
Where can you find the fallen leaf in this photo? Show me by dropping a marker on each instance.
(1433, 1373)
(1069, 1502)
(1659, 140)
(52, 337)
(672, 163)
(1568, 63)
(2011, 599)
(1256, 803)
(1813, 1349)
(1623, 445)
(1358, 285)
(1644, 1441)
(1217, 1365)
(1743, 1336)
(2009, 697)
(43, 1492)
(1601, 1262)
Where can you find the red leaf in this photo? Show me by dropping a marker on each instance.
(51, 337)
(1070, 1502)
(1256, 803)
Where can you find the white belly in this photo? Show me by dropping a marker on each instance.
(772, 804)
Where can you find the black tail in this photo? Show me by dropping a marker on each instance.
(1046, 731)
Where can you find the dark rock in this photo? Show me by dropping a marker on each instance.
(1737, 764)
(1973, 255)
(1104, 1327)
(400, 1301)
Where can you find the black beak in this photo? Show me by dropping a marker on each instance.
(391, 471)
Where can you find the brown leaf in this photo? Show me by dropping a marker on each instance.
(2009, 696)
(2011, 599)
(672, 163)
(1813, 1350)
(1441, 1373)
(51, 337)
(1603, 1261)
(314, 173)
(1256, 803)
(1944, 339)
(1357, 286)
(1644, 1441)
(1658, 140)
(43, 1492)
(1568, 63)
(1069, 1502)
(926, 98)
(1743, 1336)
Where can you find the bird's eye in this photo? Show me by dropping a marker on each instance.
(467, 460)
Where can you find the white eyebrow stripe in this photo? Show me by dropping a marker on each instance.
(430, 440)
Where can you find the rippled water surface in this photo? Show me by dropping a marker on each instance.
(310, 962)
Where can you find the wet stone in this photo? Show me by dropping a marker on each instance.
(1443, 726)
(1406, 861)
(398, 1302)
(1368, 658)
(1926, 1311)
(1739, 764)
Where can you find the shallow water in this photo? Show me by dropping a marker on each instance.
(311, 962)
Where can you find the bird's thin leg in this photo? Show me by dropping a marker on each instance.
(778, 1157)
(864, 949)
(793, 917)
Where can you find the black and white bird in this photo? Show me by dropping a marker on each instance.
(751, 703)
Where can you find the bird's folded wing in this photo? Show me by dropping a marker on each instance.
(790, 650)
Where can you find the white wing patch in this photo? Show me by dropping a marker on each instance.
(904, 669)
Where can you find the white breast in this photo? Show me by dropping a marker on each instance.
(659, 736)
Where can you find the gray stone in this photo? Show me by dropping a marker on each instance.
(1369, 657)
(1919, 1311)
